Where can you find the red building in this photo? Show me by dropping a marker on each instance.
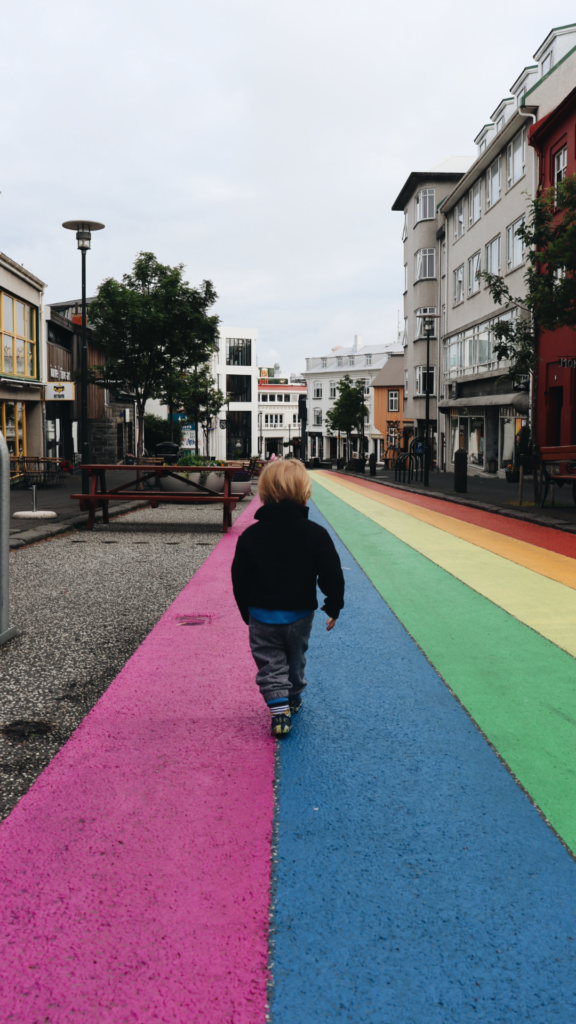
(554, 139)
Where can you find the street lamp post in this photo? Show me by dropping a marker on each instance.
(83, 229)
(429, 326)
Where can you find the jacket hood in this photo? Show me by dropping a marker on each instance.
(281, 510)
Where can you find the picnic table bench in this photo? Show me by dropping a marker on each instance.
(100, 495)
(557, 466)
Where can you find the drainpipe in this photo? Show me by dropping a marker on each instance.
(533, 385)
(6, 630)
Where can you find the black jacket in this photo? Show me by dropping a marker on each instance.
(279, 559)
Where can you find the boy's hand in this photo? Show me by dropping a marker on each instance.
(330, 624)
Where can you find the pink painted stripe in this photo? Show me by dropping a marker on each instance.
(134, 874)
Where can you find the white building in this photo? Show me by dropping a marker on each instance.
(278, 422)
(360, 362)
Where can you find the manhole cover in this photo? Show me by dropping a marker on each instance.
(23, 729)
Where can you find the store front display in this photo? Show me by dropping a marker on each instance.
(14, 426)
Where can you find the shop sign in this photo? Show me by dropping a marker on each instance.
(568, 363)
(59, 391)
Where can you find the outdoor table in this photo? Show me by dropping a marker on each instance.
(100, 495)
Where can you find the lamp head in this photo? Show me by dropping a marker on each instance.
(83, 229)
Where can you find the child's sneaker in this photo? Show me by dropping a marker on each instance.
(281, 724)
(295, 705)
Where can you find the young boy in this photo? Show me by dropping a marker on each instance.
(277, 563)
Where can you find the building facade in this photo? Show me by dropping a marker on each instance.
(419, 200)
(322, 374)
(235, 432)
(21, 359)
(480, 408)
(278, 423)
(390, 418)
(553, 138)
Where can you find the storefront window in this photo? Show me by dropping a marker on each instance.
(506, 441)
(453, 435)
(18, 353)
(14, 426)
(476, 449)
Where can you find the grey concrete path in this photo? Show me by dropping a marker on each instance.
(82, 603)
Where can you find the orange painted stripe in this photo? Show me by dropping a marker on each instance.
(551, 564)
(540, 536)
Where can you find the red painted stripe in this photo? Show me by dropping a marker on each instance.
(541, 536)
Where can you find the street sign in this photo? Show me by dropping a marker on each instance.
(59, 391)
(419, 447)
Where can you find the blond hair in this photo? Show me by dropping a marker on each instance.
(284, 480)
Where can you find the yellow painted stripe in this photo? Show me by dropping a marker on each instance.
(545, 605)
(547, 563)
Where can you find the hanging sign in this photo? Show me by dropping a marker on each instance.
(569, 363)
(59, 391)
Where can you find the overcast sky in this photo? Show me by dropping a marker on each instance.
(260, 143)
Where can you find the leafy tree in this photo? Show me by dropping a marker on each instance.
(549, 237)
(158, 429)
(200, 398)
(349, 409)
(152, 325)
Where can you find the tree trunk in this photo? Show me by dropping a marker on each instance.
(196, 425)
(535, 467)
(140, 451)
(171, 416)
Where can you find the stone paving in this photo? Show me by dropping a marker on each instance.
(83, 603)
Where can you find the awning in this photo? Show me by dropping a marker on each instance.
(518, 399)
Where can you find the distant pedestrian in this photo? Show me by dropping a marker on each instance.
(277, 564)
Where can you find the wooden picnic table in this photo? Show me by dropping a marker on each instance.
(100, 495)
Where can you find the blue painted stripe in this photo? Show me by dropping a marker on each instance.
(416, 884)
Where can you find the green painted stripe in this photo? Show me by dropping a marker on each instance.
(518, 687)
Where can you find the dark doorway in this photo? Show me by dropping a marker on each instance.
(273, 447)
(333, 448)
(119, 441)
(555, 403)
(238, 435)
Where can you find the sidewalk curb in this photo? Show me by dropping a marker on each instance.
(46, 532)
(526, 517)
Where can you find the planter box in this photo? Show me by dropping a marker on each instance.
(513, 477)
(211, 479)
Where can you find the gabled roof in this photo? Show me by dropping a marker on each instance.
(392, 374)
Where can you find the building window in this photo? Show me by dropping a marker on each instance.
(424, 264)
(317, 390)
(474, 268)
(368, 360)
(405, 229)
(272, 398)
(444, 318)
(19, 337)
(474, 203)
(420, 380)
(516, 158)
(459, 220)
(393, 401)
(13, 426)
(493, 184)
(420, 314)
(286, 398)
(547, 62)
(324, 363)
(367, 386)
(238, 435)
(263, 398)
(405, 383)
(514, 245)
(405, 278)
(238, 352)
(425, 205)
(482, 146)
(293, 417)
(560, 162)
(459, 285)
(266, 417)
(350, 360)
(317, 417)
(493, 256)
(239, 387)
(338, 360)
(405, 335)
(332, 389)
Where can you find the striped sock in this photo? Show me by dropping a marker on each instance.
(279, 706)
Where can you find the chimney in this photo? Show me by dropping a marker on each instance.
(357, 342)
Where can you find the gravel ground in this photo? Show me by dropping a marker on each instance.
(83, 603)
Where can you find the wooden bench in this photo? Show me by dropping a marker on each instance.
(557, 466)
(100, 495)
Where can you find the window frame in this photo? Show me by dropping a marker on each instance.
(420, 313)
(473, 272)
(317, 417)
(419, 374)
(332, 393)
(458, 275)
(490, 201)
(25, 341)
(489, 250)
(511, 180)
(475, 209)
(424, 258)
(511, 230)
(425, 198)
(393, 400)
(459, 220)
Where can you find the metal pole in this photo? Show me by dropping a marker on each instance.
(85, 446)
(34, 502)
(426, 452)
(6, 630)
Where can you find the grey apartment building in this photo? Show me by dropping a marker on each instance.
(479, 409)
(419, 200)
